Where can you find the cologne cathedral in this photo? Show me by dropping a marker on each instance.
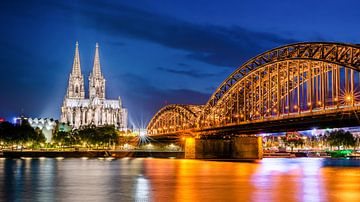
(97, 110)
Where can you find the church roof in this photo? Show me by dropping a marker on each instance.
(113, 104)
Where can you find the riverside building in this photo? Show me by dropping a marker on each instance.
(96, 109)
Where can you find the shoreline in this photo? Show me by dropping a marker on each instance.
(90, 154)
(123, 154)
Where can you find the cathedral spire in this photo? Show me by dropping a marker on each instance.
(76, 69)
(75, 88)
(96, 72)
(96, 79)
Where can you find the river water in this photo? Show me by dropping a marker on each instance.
(295, 179)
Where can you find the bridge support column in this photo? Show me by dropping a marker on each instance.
(190, 148)
(247, 147)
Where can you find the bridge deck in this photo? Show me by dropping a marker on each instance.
(331, 117)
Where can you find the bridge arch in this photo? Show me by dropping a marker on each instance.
(346, 55)
(174, 117)
(305, 65)
(291, 80)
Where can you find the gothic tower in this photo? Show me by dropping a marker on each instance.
(96, 79)
(80, 111)
(75, 88)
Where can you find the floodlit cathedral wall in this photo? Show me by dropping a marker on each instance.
(97, 110)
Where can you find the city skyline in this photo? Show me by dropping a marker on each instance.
(153, 53)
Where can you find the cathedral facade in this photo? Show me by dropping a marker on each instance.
(97, 110)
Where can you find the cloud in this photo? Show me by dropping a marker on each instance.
(183, 64)
(213, 44)
(186, 72)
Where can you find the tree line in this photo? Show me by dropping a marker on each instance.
(337, 138)
(334, 138)
(88, 136)
(25, 136)
(20, 134)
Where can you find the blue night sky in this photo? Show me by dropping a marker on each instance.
(152, 52)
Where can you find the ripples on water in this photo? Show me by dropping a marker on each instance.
(297, 179)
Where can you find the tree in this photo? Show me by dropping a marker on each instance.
(7, 131)
(20, 134)
(38, 137)
(293, 142)
(107, 134)
(24, 133)
(340, 138)
(88, 135)
(67, 138)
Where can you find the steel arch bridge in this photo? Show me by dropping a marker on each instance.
(174, 118)
(293, 81)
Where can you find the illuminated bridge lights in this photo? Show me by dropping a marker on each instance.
(302, 79)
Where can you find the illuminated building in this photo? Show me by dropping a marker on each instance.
(19, 120)
(45, 125)
(97, 110)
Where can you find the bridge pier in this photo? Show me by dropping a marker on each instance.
(190, 148)
(242, 147)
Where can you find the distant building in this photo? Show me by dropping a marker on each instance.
(46, 126)
(97, 110)
(19, 120)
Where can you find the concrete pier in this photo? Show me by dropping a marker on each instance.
(247, 147)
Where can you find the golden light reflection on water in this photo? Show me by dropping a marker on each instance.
(194, 180)
(345, 181)
(302, 179)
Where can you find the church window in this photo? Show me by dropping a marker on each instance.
(74, 117)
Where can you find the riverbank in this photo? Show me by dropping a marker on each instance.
(296, 154)
(91, 154)
(123, 154)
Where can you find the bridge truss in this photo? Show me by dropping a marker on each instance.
(174, 118)
(294, 80)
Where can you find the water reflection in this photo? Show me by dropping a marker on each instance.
(289, 179)
(142, 192)
(179, 180)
